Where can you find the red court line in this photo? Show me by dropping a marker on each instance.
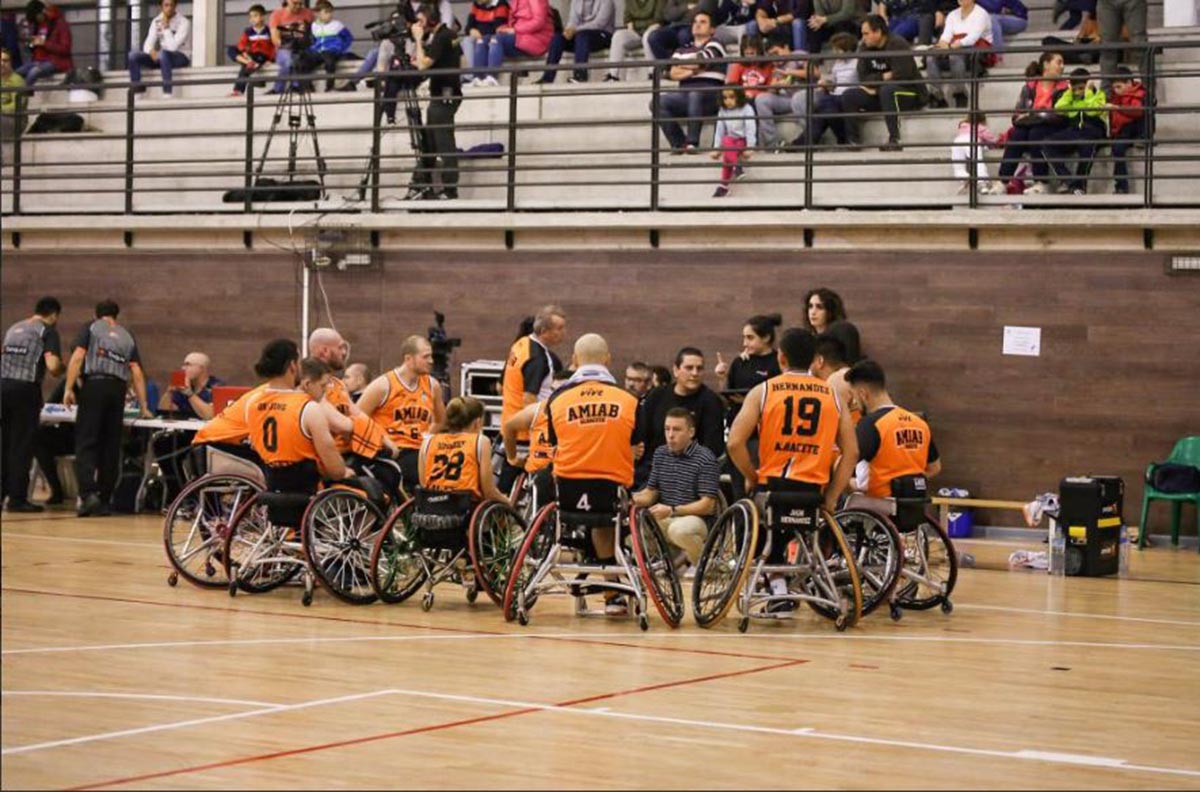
(433, 728)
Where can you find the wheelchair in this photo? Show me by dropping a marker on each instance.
(557, 555)
(445, 536)
(532, 492)
(197, 521)
(929, 562)
(326, 538)
(801, 541)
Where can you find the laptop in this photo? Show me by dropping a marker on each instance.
(224, 395)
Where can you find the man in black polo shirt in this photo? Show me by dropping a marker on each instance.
(107, 356)
(436, 50)
(31, 348)
(689, 392)
(888, 83)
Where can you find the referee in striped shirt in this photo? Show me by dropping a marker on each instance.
(684, 485)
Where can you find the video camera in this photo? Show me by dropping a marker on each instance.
(395, 27)
(443, 346)
(296, 36)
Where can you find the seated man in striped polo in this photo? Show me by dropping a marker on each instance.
(684, 485)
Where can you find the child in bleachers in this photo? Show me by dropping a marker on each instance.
(960, 153)
(483, 20)
(750, 76)
(331, 40)
(837, 76)
(253, 49)
(1083, 108)
(736, 136)
(1127, 122)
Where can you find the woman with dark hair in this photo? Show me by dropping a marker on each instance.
(758, 360)
(822, 307)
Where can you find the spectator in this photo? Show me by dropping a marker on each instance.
(194, 399)
(889, 84)
(253, 49)
(660, 376)
(529, 31)
(698, 94)
(291, 20)
(777, 18)
(638, 378)
(684, 485)
(1083, 109)
(837, 77)
(757, 362)
(484, 19)
(356, 377)
(787, 95)
(589, 28)
(678, 16)
(1128, 123)
(968, 26)
(168, 46)
(445, 95)
(736, 135)
(1033, 121)
(11, 99)
(830, 17)
(641, 18)
(689, 392)
(751, 75)
(380, 57)
(823, 307)
(904, 18)
(10, 36)
(1009, 17)
(49, 42)
(1088, 34)
(1076, 11)
(962, 153)
(331, 40)
(1113, 15)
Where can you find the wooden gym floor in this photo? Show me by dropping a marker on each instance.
(112, 679)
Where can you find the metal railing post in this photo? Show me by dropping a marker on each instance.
(976, 155)
(510, 194)
(1149, 121)
(376, 143)
(18, 136)
(808, 140)
(129, 150)
(248, 177)
(655, 88)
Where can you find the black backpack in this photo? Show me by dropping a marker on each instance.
(1174, 478)
(47, 123)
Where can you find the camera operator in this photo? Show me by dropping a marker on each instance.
(435, 49)
(390, 36)
(290, 26)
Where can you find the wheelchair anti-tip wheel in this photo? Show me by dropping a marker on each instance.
(496, 534)
(256, 558)
(539, 539)
(878, 552)
(724, 563)
(197, 523)
(396, 569)
(930, 568)
(339, 533)
(654, 560)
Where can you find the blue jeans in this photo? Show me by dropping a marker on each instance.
(167, 61)
(669, 38)
(1006, 25)
(585, 43)
(799, 33)
(694, 105)
(36, 70)
(1076, 9)
(1125, 139)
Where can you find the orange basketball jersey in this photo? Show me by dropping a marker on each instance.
(904, 441)
(406, 413)
(513, 385)
(276, 432)
(591, 425)
(338, 395)
(797, 429)
(541, 450)
(229, 425)
(450, 462)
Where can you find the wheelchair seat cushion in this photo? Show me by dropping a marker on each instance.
(792, 505)
(592, 503)
(442, 518)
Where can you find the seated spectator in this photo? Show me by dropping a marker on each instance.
(253, 49)
(292, 19)
(699, 84)
(735, 138)
(10, 36)
(674, 30)
(589, 28)
(194, 399)
(49, 42)
(529, 31)
(828, 18)
(689, 392)
(356, 377)
(168, 46)
(967, 27)
(331, 41)
(750, 75)
(822, 307)
(684, 486)
(962, 153)
(836, 78)
(1127, 122)
(12, 99)
(1083, 109)
(904, 18)
(483, 20)
(778, 17)
(660, 376)
(1075, 10)
(787, 94)
(887, 84)
(638, 378)
(641, 18)
(1009, 17)
(1033, 121)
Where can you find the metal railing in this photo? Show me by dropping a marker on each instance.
(554, 157)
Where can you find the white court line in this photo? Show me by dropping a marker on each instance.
(814, 734)
(10, 535)
(146, 696)
(1075, 615)
(997, 641)
(268, 641)
(187, 723)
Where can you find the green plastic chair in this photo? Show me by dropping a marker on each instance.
(1186, 452)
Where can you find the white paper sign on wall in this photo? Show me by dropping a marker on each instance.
(1022, 341)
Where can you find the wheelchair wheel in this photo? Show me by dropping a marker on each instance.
(396, 571)
(197, 523)
(539, 539)
(930, 567)
(834, 576)
(653, 555)
(878, 552)
(496, 534)
(256, 559)
(724, 563)
(339, 531)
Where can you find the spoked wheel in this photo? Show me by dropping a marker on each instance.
(724, 563)
(339, 531)
(256, 559)
(396, 570)
(197, 524)
(653, 556)
(878, 552)
(496, 534)
(539, 539)
(930, 568)
(834, 574)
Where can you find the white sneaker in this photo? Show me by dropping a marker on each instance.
(964, 187)
(1036, 189)
(168, 96)
(491, 81)
(478, 82)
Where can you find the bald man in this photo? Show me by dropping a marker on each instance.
(194, 399)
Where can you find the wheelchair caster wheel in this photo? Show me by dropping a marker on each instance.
(233, 587)
(306, 599)
(644, 622)
(173, 579)
(841, 623)
(427, 601)
(743, 624)
(472, 595)
(947, 606)
(209, 570)
(896, 613)
(522, 618)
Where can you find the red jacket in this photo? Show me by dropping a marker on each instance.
(57, 48)
(257, 42)
(1131, 103)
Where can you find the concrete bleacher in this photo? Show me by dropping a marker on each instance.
(579, 147)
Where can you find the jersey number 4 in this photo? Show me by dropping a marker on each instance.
(801, 417)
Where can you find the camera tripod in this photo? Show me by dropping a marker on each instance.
(295, 102)
(416, 130)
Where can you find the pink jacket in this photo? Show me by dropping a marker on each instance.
(531, 21)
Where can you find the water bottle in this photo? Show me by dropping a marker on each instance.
(1058, 549)
(1123, 550)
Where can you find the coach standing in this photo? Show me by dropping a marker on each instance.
(31, 348)
(107, 355)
